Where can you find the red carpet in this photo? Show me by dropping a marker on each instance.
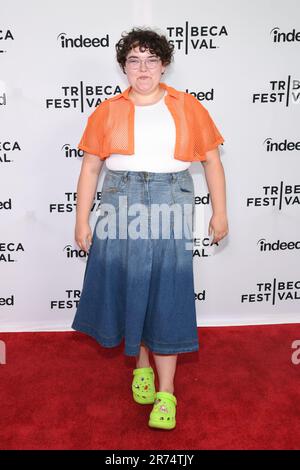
(64, 391)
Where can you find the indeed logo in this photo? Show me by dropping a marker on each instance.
(3, 100)
(6, 204)
(292, 36)
(278, 245)
(202, 95)
(70, 152)
(80, 41)
(73, 252)
(283, 146)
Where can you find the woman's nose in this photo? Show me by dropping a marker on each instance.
(143, 65)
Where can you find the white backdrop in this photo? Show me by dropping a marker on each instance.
(57, 62)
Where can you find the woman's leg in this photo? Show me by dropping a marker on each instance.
(166, 368)
(142, 360)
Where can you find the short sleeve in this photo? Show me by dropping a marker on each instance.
(211, 135)
(92, 137)
(207, 135)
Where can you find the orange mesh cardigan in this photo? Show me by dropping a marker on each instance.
(110, 127)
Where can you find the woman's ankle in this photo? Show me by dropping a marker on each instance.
(168, 389)
(142, 359)
(142, 364)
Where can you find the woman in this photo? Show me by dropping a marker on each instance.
(139, 286)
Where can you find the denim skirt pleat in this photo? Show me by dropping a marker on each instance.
(138, 282)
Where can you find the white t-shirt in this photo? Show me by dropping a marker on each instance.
(154, 142)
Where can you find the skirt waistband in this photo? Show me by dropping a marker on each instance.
(150, 175)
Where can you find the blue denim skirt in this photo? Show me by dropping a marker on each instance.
(138, 283)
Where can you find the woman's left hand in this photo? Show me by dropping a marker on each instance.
(218, 226)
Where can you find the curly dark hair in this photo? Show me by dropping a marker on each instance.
(145, 38)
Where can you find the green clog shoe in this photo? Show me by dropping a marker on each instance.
(163, 414)
(143, 386)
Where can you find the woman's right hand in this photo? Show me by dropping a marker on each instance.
(83, 236)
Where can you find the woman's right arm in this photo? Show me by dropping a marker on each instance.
(86, 188)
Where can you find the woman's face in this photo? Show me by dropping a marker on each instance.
(143, 79)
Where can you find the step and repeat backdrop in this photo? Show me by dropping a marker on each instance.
(240, 59)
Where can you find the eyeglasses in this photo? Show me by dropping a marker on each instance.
(151, 63)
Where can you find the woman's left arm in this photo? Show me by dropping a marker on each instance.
(215, 179)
